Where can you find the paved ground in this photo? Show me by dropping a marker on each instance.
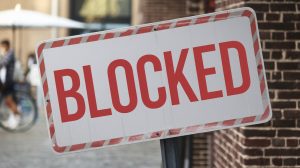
(32, 150)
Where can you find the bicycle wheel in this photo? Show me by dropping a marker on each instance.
(28, 110)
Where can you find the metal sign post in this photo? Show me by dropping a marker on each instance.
(176, 152)
(172, 152)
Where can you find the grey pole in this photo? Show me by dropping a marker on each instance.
(172, 151)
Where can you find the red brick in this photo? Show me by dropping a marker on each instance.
(277, 161)
(278, 142)
(258, 133)
(276, 114)
(292, 142)
(259, 6)
(277, 55)
(260, 16)
(269, 65)
(291, 75)
(252, 152)
(278, 35)
(289, 94)
(283, 7)
(282, 152)
(288, 133)
(265, 35)
(291, 114)
(266, 55)
(276, 75)
(288, 65)
(293, 55)
(293, 35)
(283, 104)
(291, 17)
(273, 17)
(276, 26)
(256, 161)
(284, 123)
(283, 85)
(268, 75)
(280, 45)
(256, 142)
(290, 162)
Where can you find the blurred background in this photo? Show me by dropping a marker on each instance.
(273, 144)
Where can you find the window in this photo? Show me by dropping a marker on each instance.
(102, 14)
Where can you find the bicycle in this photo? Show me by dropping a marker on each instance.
(27, 106)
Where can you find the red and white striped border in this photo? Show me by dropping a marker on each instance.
(202, 19)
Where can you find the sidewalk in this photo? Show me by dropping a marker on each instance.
(32, 150)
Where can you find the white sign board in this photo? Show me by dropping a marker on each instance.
(154, 81)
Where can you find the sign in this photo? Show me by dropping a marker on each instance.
(154, 81)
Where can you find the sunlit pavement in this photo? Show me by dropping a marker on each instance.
(32, 150)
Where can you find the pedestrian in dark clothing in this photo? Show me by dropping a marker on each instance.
(7, 84)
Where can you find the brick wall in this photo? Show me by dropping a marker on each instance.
(202, 150)
(158, 10)
(228, 4)
(276, 143)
